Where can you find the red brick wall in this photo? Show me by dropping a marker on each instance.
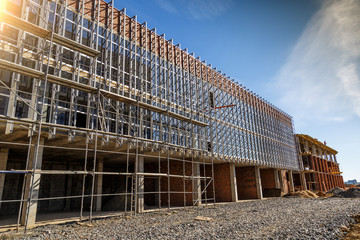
(222, 182)
(246, 183)
(267, 178)
(176, 184)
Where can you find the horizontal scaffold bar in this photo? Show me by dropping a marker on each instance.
(82, 87)
(19, 23)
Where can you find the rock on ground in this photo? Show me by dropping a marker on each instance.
(278, 218)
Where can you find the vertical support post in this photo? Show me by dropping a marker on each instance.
(68, 189)
(32, 206)
(303, 181)
(276, 177)
(4, 154)
(99, 183)
(258, 183)
(140, 195)
(281, 180)
(197, 184)
(233, 185)
(291, 180)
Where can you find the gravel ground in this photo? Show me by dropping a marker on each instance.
(281, 218)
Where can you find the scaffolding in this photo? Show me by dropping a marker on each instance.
(84, 81)
(318, 164)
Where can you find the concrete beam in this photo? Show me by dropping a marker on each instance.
(233, 185)
(32, 182)
(4, 154)
(258, 183)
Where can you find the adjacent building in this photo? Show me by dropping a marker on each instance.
(320, 168)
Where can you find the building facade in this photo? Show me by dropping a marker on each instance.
(320, 168)
(99, 114)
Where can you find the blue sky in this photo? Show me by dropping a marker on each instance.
(301, 55)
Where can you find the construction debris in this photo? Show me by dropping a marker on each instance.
(335, 192)
(349, 193)
(302, 194)
(200, 218)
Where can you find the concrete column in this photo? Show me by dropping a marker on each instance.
(258, 183)
(277, 181)
(303, 180)
(335, 160)
(35, 179)
(4, 153)
(99, 183)
(196, 184)
(140, 197)
(281, 181)
(233, 185)
(291, 180)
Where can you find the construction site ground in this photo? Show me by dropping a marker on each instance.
(275, 218)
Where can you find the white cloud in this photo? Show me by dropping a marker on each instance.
(197, 9)
(321, 79)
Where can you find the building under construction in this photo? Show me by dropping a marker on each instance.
(320, 169)
(100, 115)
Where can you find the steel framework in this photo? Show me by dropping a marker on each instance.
(83, 77)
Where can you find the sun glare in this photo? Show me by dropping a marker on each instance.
(2, 5)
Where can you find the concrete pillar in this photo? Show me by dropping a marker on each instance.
(35, 179)
(277, 181)
(233, 185)
(99, 183)
(303, 181)
(291, 180)
(140, 196)
(281, 181)
(258, 183)
(4, 153)
(196, 184)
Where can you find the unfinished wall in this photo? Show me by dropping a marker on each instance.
(246, 183)
(177, 185)
(222, 182)
(267, 178)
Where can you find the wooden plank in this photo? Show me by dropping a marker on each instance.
(7, 65)
(19, 23)
(44, 33)
(66, 42)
